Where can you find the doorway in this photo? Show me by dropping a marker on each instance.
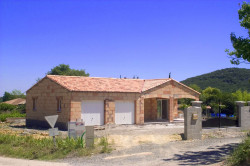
(162, 107)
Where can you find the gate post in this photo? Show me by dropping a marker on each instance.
(193, 121)
(243, 114)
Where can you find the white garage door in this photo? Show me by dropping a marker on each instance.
(124, 112)
(93, 112)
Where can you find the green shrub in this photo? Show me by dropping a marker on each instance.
(241, 155)
(21, 108)
(31, 148)
(13, 114)
(105, 145)
(7, 107)
(44, 148)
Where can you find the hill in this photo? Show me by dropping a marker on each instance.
(227, 80)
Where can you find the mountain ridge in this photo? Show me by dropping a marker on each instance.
(227, 80)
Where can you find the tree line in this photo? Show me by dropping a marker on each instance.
(215, 98)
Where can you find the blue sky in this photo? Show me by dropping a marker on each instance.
(109, 38)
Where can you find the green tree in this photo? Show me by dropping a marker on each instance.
(195, 87)
(228, 99)
(211, 96)
(241, 52)
(241, 96)
(63, 69)
(13, 95)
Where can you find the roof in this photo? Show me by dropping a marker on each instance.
(80, 83)
(98, 84)
(16, 101)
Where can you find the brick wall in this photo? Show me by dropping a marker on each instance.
(109, 104)
(150, 109)
(109, 112)
(170, 89)
(46, 93)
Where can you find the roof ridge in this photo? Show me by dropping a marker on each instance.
(160, 79)
(96, 77)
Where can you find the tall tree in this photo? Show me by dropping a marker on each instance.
(63, 69)
(241, 52)
(13, 95)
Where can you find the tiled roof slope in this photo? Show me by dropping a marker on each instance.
(79, 83)
(95, 84)
(16, 101)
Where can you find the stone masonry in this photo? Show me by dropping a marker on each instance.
(193, 121)
(244, 114)
(109, 112)
(46, 94)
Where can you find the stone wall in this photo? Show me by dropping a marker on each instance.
(109, 104)
(46, 93)
(193, 121)
(150, 109)
(244, 115)
(109, 112)
(170, 89)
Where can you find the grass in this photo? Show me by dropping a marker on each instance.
(105, 146)
(43, 149)
(241, 155)
(12, 114)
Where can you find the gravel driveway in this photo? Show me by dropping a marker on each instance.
(199, 152)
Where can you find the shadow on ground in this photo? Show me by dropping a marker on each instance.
(210, 156)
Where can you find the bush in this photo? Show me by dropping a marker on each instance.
(21, 108)
(105, 145)
(13, 114)
(241, 155)
(31, 148)
(7, 107)
(44, 149)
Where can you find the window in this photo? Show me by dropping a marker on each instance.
(34, 99)
(59, 104)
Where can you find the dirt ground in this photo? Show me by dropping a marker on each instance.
(149, 144)
(127, 136)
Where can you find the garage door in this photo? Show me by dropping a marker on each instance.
(124, 112)
(93, 112)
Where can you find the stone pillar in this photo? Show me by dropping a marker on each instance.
(139, 111)
(109, 112)
(243, 114)
(171, 109)
(193, 121)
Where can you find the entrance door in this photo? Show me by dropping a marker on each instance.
(162, 109)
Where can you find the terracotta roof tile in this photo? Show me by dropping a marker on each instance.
(78, 83)
(16, 101)
(96, 84)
